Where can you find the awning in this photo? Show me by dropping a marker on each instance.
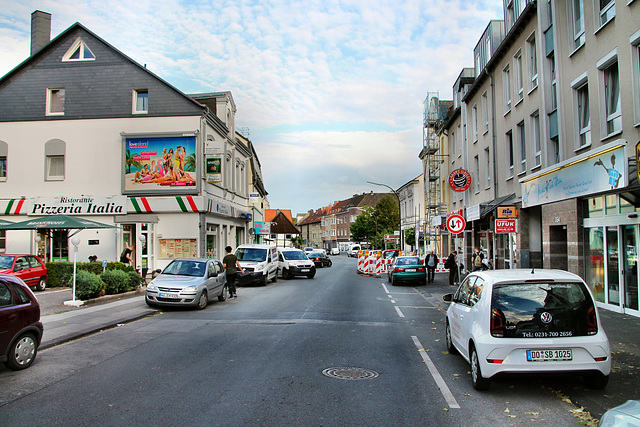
(487, 208)
(55, 222)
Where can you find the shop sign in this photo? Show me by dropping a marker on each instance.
(214, 170)
(506, 225)
(83, 205)
(459, 180)
(262, 227)
(473, 213)
(391, 238)
(504, 212)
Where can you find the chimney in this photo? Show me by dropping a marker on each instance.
(40, 30)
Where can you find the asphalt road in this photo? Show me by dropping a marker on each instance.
(259, 360)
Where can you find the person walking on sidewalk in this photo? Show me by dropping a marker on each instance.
(231, 265)
(125, 257)
(452, 264)
(431, 261)
(476, 260)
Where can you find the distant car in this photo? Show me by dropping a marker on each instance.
(407, 269)
(627, 414)
(294, 262)
(354, 250)
(320, 259)
(188, 282)
(527, 321)
(307, 250)
(335, 251)
(29, 268)
(20, 325)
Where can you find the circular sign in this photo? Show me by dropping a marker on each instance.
(456, 224)
(459, 180)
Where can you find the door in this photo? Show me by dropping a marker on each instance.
(630, 272)
(23, 270)
(462, 316)
(613, 270)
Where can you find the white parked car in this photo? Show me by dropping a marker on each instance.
(294, 262)
(335, 251)
(527, 321)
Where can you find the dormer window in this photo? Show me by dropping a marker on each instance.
(140, 101)
(79, 51)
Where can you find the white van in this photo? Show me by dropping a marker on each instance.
(259, 262)
(353, 251)
(294, 262)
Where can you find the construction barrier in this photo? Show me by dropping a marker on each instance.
(440, 267)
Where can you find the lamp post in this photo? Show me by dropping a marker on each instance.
(399, 209)
(75, 240)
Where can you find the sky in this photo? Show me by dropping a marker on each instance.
(330, 91)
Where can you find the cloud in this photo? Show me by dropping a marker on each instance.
(330, 90)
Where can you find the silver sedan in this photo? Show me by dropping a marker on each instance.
(188, 282)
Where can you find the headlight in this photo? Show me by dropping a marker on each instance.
(260, 266)
(190, 289)
(152, 287)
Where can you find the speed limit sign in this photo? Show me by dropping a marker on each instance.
(456, 224)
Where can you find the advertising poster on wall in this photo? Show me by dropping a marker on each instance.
(214, 169)
(160, 164)
(177, 248)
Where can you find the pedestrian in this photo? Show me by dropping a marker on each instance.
(452, 264)
(231, 265)
(476, 260)
(125, 256)
(431, 261)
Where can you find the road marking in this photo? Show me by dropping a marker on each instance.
(398, 310)
(385, 288)
(416, 306)
(446, 393)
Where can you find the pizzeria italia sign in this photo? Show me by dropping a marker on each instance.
(84, 205)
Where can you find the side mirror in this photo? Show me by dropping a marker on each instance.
(157, 270)
(214, 274)
(447, 297)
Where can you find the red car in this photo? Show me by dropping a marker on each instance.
(29, 268)
(20, 325)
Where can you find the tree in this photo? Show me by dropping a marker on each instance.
(361, 229)
(410, 236)
(387, 215)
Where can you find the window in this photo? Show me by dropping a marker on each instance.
(78, 51)
(54, 155)
(607, 11)
(554, 94)
(533, 62)
(577, 11)
(474, 122)
(519, 84)
(584, 117)
(635, 71)
(140, 101)
(523, 146)
(555, 150)
(535, 138)
(55, 101)
(608, 67)
(485, 112)
(509, 147)
(509, 16)
(506, 88)
(459, 142)
(476, 170)
(4, 151)
(487, 164)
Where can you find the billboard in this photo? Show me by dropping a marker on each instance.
(160, 165)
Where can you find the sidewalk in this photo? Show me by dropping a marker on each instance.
(69, 325)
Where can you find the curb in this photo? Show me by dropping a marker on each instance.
(110, 298)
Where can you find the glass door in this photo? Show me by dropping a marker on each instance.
(629, 237)
(613, 277)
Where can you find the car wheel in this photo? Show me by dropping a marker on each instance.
(223, 294)
(479, 383)
(22, 353)
(330, 263)
(393, 281)
(311, 275)
(287, 274)
(41, 284)
(265, 280)
(275, 278)
(389, 278)
(596, 381)
(447, 335)
(203, 300)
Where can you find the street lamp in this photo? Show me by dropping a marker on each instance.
(399, 209)
(75, 240)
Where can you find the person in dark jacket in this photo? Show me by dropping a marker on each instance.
(476, 260)
(431, 262)
(232, 266)
(452, 265)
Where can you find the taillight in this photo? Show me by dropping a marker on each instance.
(421, 269)
(592, 322)
(497, 324)
(397, 270)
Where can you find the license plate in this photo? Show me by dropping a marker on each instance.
(304, 270)
(169, 296)
(549, 355)
(410, 270)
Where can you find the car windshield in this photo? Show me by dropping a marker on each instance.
(292, 255)
(315, 254)
(408, 261)
(6, 261)
(542, 310)
(185, 268)
(251, 254)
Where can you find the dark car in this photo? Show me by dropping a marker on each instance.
(20, 326)
(320, 259)
(29, 268)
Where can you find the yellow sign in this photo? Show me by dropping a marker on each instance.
(507, 212)
(638, 159)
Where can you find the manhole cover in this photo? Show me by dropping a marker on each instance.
(350, 373)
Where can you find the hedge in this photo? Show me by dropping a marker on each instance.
(90, 279)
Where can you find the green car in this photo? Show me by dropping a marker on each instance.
(407, 269)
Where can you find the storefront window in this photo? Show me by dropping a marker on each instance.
(594, 207)
(611, 204)
(594, 257)
(626, 207)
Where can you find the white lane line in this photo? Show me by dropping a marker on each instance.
(446, 393)
(385, 288)
(393, 301)
(398, 310)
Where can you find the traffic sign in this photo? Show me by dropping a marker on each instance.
(456, 224)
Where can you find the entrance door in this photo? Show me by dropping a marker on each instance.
(630, 272)
(613, 277)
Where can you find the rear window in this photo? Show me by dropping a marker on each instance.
(408, 261)
(542, 310)
(251, 254)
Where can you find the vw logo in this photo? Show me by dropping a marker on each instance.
(546, 317)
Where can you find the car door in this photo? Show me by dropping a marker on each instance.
(9, 317)
(213, 278)
(22, 270)
(462, 316)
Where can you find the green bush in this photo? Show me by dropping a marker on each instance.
(88, 285)
(135, 280)
(116, 281)
(59, 274)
